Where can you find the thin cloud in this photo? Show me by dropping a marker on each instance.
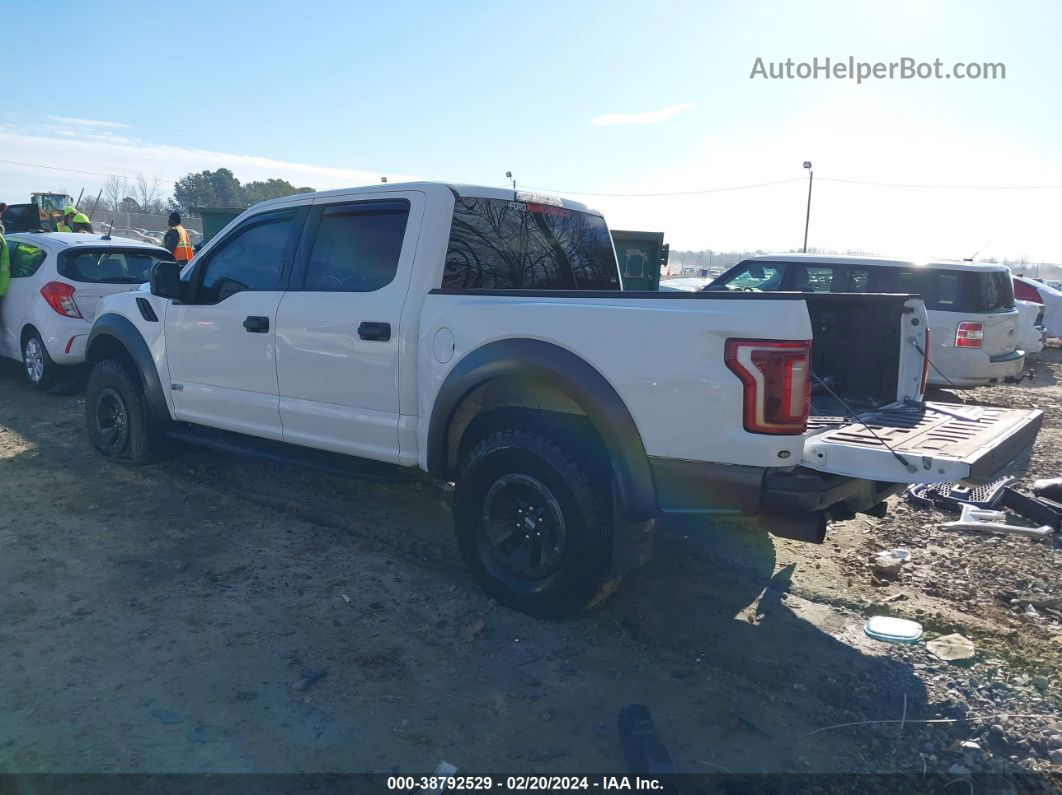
(102, 153)
(647, 117)
(112, 125)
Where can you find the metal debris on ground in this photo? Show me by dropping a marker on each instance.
(893, 630)
(953, 496)
(993, 522)
(443, 771)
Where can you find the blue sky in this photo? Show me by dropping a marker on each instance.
(332, 94)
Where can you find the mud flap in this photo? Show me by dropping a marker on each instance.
(632, 542)
(922, 443)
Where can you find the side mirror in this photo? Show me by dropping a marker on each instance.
(166, 281)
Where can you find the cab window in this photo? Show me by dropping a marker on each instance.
(357, 246)
(251, 258)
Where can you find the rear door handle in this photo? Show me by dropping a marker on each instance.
(375, 332)
(256, 324)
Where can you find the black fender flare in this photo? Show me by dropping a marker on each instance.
(568, 373)
(122, 330)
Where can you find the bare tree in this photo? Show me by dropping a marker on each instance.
(115, 189)
(148, 194)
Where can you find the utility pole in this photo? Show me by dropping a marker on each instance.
(807, 217)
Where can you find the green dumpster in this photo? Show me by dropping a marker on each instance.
(640, 255)
(215, 218)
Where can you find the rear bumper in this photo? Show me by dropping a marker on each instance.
(976, 368)
(699, 489)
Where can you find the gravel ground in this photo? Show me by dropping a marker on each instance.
(212, 614)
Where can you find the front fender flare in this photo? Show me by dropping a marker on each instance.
(568, 373)
(122, 330)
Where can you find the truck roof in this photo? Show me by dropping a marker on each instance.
(847, 259)
(461, 190)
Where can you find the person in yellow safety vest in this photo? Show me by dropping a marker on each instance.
(177, 241)
(5, 256)
(67, 222)
(81, 223)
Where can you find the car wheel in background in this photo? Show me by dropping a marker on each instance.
(37, 365)
(533, 519)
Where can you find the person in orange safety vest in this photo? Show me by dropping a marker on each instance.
(177, 240)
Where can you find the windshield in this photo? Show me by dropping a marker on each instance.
(111, 265)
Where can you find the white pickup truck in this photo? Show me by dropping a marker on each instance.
(483, 336)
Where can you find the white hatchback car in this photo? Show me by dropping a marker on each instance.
(56, 281)
(973, 322)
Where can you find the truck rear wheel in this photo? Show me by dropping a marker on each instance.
(533, 517)
(117, 417)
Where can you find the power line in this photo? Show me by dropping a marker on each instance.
(672, 193)
(81, 171)
(939, 187)
(663, 194)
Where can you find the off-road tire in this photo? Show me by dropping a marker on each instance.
(139, 440)
(515, 458)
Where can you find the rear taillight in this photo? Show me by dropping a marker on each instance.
(777, 379)
(60, 297)
(925, 368)
(969, 334)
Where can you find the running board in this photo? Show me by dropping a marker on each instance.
(284, 453)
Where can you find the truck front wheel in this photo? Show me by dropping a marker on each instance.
(532, 512)
(117, 417)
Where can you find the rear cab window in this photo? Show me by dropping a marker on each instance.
(497, 244)
(110, 265)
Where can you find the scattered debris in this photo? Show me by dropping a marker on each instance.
(953, 496)
(644, 752)
(952, 647)
(992, 522)
(348, 600)
(1051, 488)
(309, 677)
(893, 630)
(443, 771)
(888, 564)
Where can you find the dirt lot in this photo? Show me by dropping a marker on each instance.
(179, 618)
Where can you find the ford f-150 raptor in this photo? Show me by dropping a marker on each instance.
(483, 336)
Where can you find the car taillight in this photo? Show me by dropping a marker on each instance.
(925, 368)
(60, 297)
(777, 379)
(969, 334)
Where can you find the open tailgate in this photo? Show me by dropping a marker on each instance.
(911, 444)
